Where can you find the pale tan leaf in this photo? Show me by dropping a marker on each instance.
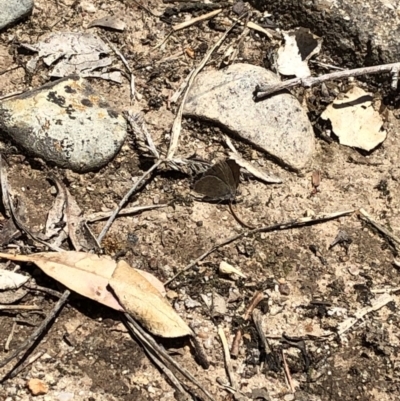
(355, 121)
(90, 275)
(154, 281)
(146, 304)
(86, 274)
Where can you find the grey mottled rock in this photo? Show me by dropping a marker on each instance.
(355, 32)
(278, 125)
(66, 123)
(13, 10)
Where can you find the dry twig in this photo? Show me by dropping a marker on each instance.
(10, 337)
(36, 334)
(125, 199)
(29, 362)
(366, 217)
(287, 373)
(262, 91)
(176, 127)
(20, 307)
(151, 346)
(257, 298)
(227, 358)
(97, 216)
(265, 229)
(375, 305)
(129, 69)
(193, 21)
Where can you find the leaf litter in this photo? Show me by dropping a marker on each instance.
(273, 218)
(90, 275)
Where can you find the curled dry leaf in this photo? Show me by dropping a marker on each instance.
(91, 275)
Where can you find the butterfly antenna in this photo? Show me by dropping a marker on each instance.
(237, 217)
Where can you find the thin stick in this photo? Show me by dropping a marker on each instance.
(257, 298)
(97, 216)
(19, 307)
(35, 287)
(375, 305)
(276, 227)
(203, 17)
(366, 217)
(227, 358)
(162, 353)
(266, 90)
(155, 358)
(176, 127)
(125, 199)
(37, 333)
(287, 373)
(385, 290)
(20, 368)
(10, 337)
(123, 59)
(204, 255)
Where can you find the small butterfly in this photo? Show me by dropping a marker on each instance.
(219, 182)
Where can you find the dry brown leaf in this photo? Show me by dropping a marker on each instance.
(146, 304)
(90, 275)
(86, 274)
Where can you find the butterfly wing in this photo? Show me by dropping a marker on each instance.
(212, 187)
(235, 170)
(220, 181)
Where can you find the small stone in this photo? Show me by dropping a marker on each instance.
(88, 6)
(238, 8)
(172, 294)
(37, 387)
(289, 397)
(14, 10)
(65, 396)
(66, 123)
(284, 289)
(191, 303)
(218, 305)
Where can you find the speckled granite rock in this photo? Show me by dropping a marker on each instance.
(64, 122)
(278, 125)
(13, 10)
(356, 32)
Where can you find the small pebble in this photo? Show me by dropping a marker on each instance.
(284, 289)
(172, 294)
(37, 387)
(191, 303)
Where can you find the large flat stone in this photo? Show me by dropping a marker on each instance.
(65, 122)
(277, 125)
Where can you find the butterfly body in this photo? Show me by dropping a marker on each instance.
(219, 182)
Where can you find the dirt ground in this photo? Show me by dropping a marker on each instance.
(311, 289)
